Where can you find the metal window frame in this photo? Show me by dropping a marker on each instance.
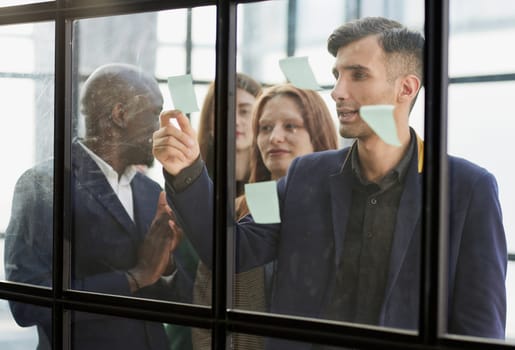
(219, 318)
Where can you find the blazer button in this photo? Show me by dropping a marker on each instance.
(373, 201)
(188, 180)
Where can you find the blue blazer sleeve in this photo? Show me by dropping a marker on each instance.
(256, 244)
(478, 257)
(28, 242)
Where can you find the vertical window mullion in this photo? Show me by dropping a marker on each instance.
(433, 308)
(224, 163)
(59, 206)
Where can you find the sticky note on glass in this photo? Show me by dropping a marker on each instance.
(183, 93)
(263, 202)
(298, 72)
(380, 119)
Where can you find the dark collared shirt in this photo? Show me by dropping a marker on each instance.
(361, 279)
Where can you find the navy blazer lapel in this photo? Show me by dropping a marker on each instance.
(408, 216)
(144, 206)
(340, 189)
(89, 177)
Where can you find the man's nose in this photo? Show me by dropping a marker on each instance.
(340, 90)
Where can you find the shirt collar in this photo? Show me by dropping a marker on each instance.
(108, 170)
(398, 173)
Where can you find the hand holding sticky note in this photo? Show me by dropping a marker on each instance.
(183, 93)
(381, 121)
(299, 73)
(262, 201)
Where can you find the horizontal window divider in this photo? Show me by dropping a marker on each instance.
(25, 293)
(82, 8)
(321, 331)
(28, 13)
(346, 334)
(472, 343)
(490, 78)
(131, 307)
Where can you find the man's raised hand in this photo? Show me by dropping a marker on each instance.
(175, 148)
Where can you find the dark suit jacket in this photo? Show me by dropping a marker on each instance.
(103, 241)
(308, 244)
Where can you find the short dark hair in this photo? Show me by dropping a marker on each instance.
(400, 44)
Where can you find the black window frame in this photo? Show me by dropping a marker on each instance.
(221, 320)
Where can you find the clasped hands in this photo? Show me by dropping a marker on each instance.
(155, 252)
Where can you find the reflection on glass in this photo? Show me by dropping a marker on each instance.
(469, 137)
(26, 223)
(12, 336)
(121, 242)
(358, 265)
(97, 331)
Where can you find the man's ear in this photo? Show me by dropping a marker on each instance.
(410, 85)
(119, 115)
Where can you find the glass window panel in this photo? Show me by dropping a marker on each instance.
(203, 63)
(300, 278)
(121, 109)
(204, 26)
(489, 26)
(25, 46)
(98, 331)
(410, 13)
(15, 337)
(170, 61)
(26, 210)
(261, 39)
(172, 27)
(469, 137)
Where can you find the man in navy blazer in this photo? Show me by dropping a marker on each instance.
(122, 237)
(348, 245)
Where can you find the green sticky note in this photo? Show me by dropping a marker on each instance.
(298, 72)
(381, 121)
(183, 93)
(263, 202)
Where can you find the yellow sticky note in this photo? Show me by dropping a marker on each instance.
(298, 72)
(183, 94)
(263, 202)
(380, 119)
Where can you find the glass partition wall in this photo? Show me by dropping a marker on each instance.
(84, 84)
